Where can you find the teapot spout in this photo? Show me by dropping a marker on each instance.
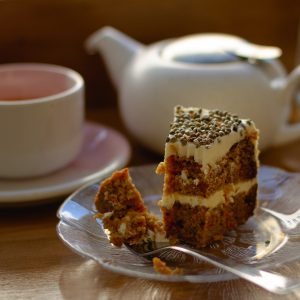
(116, 48)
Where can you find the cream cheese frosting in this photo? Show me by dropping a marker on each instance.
(206, 135)
(221, 196)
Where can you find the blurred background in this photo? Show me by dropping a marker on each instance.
(54, 31)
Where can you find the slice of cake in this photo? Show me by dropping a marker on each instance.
(210, 170)
(124, 215)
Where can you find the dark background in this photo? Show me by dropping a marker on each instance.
(53, 31)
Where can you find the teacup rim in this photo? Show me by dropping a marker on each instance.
(66, 71)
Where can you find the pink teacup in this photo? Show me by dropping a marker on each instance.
(41, 118)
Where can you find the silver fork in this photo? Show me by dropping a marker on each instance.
(290, 221)
(269, 281)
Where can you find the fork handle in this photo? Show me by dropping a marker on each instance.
(272, 282)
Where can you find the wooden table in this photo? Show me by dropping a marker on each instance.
(34, 263)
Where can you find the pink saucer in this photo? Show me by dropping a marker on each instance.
(104, 150)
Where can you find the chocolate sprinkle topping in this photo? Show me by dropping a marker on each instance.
(193, 126)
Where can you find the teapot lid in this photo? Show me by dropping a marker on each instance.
(204, 49)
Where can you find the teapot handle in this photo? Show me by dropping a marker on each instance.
(288, 132)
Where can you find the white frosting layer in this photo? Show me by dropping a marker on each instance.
(212, 153)
(221, 196)
(208, 155)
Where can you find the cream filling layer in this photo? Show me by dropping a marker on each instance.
(211, 154)
(224, 195)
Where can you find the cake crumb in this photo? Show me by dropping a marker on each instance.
(124, 215)
(162, 268)
(160, 168)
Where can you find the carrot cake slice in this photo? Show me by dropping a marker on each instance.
(124, 215)
(210, 175)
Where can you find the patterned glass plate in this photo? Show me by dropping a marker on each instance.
(267, 241)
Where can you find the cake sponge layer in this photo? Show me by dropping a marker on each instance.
(198, 226)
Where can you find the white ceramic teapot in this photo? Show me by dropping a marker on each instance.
(205, 70)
